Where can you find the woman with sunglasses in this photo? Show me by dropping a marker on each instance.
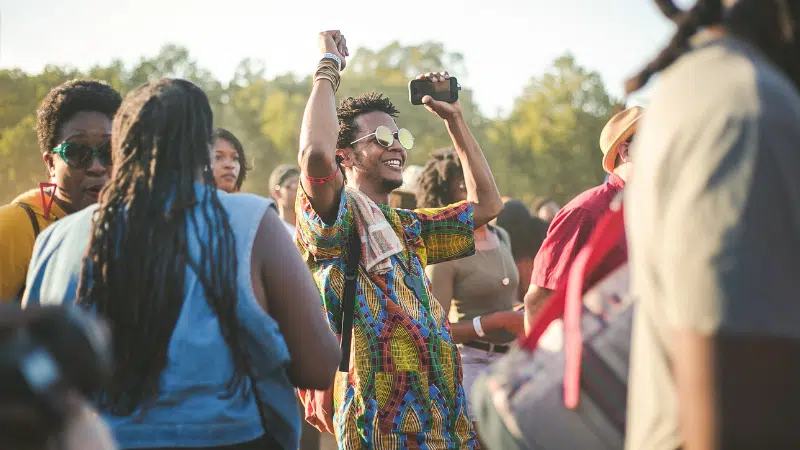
(73, 127)
(228, 161)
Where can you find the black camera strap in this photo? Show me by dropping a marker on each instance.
(348, 298)
(36, 230)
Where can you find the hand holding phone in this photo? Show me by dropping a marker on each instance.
(444, 91)
(438, 91)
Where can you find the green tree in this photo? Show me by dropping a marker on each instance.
(21, 166)
(549, 141)
(547, 145)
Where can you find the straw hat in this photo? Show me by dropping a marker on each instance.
(617, 130)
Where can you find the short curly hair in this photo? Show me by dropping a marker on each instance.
(434, 180)
(350, 108)
(68, 99)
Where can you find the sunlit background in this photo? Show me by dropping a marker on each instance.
(506, 48)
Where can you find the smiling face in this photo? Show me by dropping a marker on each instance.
(79, 187)
(225, 160)
(371, 166)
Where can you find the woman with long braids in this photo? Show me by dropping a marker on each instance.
(713, 219)
(479, 291)
(213, 319)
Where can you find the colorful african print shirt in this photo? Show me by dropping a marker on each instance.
(404, 389)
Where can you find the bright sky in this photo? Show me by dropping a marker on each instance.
(505, 42)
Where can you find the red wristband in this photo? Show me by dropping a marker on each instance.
(313, 180)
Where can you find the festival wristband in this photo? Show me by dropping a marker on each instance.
(335, 58)
(314, 180)
(476, 324)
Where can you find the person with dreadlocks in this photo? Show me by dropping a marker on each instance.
(402, 386)
(73, 126)
(479, 292)
(213, 319)
(228, 160)
(713, 218)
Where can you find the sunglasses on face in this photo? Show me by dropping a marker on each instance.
(79, 156)
(386, 137)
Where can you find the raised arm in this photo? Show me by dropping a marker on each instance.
(320, 176)
(481, 189)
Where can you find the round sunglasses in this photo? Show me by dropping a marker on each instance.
(386, 137)
(79, 156)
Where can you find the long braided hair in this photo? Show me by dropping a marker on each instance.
(133, 272)
(434, 179)
(772, 25)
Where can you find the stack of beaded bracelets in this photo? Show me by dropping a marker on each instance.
(328, 69)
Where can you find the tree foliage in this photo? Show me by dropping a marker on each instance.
(547, 145)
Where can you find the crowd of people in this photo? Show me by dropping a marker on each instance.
(150, 303)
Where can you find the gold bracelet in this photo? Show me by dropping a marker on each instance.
(334, 84)
(330, 61)
(328, 66)
(332, 75)
(328, 69)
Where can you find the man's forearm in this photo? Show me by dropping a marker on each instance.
(481, 188)
(692, 356)
(534, 300)
(319, 131)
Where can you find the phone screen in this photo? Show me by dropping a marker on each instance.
(440, 90)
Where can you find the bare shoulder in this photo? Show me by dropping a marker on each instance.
(270, 226)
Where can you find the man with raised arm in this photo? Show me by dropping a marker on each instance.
(404, 388)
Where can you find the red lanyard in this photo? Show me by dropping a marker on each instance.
(47, 205)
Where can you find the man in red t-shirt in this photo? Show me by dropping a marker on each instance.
(573, 224)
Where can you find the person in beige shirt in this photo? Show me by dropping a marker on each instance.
(713, 221)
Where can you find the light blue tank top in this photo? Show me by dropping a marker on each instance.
(193, 409)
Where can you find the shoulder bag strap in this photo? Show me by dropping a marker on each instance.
(606, 236)
(349, 297)
(603, 238)
(36, 230)
(32, 217)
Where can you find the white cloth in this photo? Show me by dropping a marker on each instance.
(379, 241)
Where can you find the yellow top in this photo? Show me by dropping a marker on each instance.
(17, 239)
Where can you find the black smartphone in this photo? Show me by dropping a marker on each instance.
(443, 91)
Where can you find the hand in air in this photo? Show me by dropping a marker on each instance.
(333, 41)
(443, 110)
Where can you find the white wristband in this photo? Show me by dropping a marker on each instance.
(476, 324)
(335, 58)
